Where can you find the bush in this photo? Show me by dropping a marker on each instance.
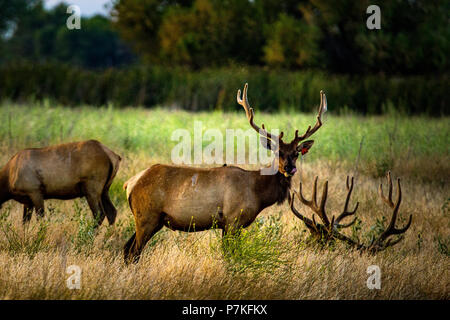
(258, 249)
(85, 237)
(212, 89)
(26, 239)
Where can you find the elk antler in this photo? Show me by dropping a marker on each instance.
(309, 132)
(249, 112)
(329, 230)
(379, 244)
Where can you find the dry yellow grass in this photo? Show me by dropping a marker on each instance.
(187, 266)
(277, 260)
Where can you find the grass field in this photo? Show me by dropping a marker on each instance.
(274, 258)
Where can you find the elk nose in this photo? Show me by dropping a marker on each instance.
(290, 169)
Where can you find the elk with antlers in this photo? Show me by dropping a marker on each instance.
(329, 230)
(195, 199)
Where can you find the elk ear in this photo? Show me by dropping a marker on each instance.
(268, 143)
(305, 146)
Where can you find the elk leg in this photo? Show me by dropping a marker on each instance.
(109, 208)
(127, 248)
(144, 232)
(96, 207)
(38, 203)
(231, 230)
(27, 212)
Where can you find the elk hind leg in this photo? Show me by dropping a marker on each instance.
(109, 208)
(93, 197)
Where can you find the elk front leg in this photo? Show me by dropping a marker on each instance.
(145, 230)
(38, 203)
(27, 212)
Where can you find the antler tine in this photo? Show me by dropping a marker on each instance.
(321, 212)
(397, 203)
(301, 197)
(391, 229)
(279, 136)
(315, 223)
(309, 223)
(309, 132)
(345, 213)
(312, 204)
(389, 199)
(243, 101)
(314, 192)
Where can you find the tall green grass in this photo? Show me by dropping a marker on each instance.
(373, 144)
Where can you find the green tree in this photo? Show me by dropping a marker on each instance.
(41, 35)
(293, 43)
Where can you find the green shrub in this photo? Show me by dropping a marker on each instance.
(210, 89)
(29, 239)
(256, 250)
(83, 241)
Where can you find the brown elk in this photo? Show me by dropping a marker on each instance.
(66, 171)
(329, 229)
(195, 199)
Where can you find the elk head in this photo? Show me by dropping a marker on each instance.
(286, 153)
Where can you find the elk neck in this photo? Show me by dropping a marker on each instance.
(273, 188)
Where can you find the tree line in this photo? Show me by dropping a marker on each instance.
(215, 89)
(328, 35)
(194, 54)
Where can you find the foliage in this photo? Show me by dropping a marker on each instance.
(183, 265)
(25, 239)
(253, 250)
(41, 35)
(327, 34)
(417, 139)
(443, 245)
(211, 89)
(85, 237)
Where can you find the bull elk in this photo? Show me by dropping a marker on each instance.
(329, 229)
(66, 171)
(195, 199)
